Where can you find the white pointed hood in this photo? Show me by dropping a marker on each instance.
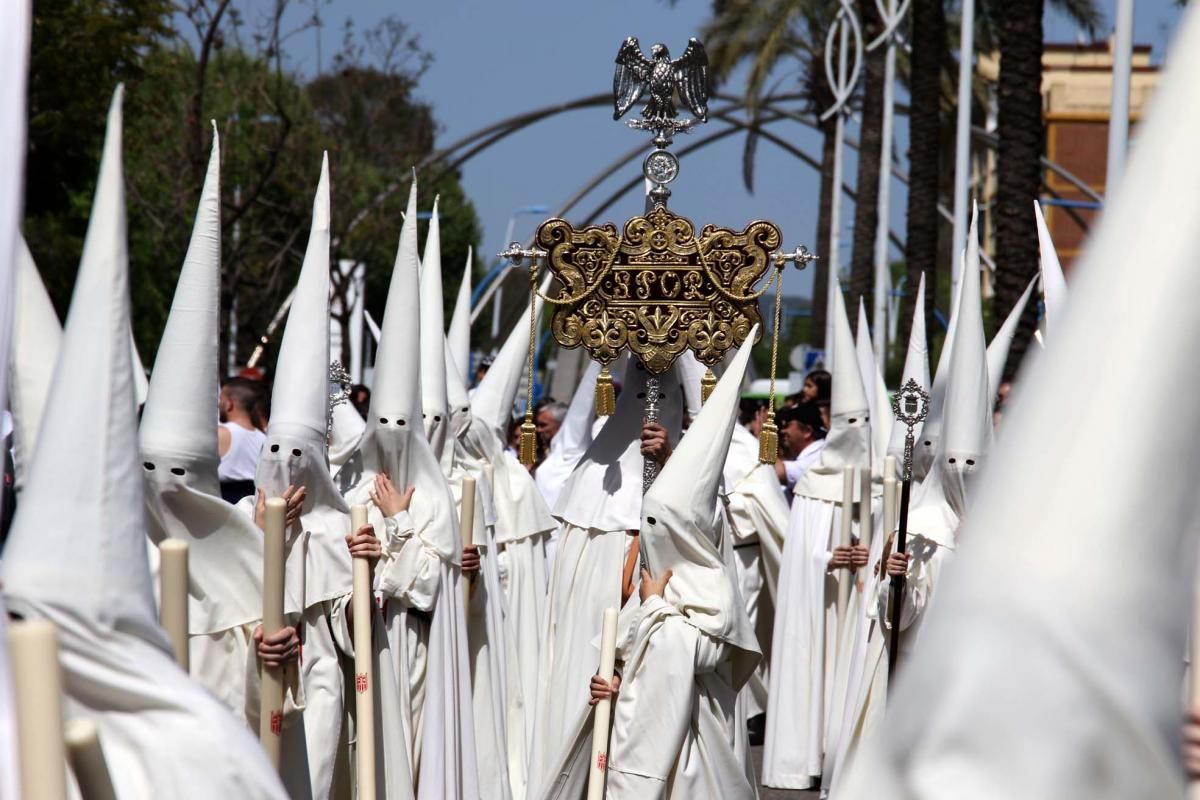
(1054, 285)
(572, 440)
(966, 433)
(179, 440)
(346, 428)
(877, 394)
(394, 419)
(141, 384)
(496, 393)
(931, 430)
(604, 491)
(520, 510)
(36, 339)
(848, 443)
(456, 395)
(394, 442)
(296, 450)
(681, 526)
(78, 542)
(916, 367)
(997, 350)
(1036, 665)
(691, 372)
(435, 407)
(459, 334)
(180, 416)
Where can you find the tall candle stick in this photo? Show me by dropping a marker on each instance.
(270, 721)
(364, 678)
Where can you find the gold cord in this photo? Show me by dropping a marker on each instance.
(527, 451)
(768, 437)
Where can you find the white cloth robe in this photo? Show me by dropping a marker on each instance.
(314, 769)
(413, 580)
(163, 735)
(674, 731)
(586, 580)
(522, 532)
(393, 774)
(757, 515)
(487, 646)
(867, 695)
(867, 681)
(803, 657)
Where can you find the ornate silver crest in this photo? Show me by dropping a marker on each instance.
(911, 406)
(339, 391)
(663, 78)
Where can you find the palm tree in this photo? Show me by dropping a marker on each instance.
(928, 36)
(767, 34)
(870, 159)
(1018, 31)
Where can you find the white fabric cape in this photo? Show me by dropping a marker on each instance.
(1039, 675)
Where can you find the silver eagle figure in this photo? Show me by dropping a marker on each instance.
(687, 75)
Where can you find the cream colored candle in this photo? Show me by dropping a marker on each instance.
(37, 697)
(891, 499)
(364, 677)
(845, 577)
(864, 507)
(88, 762)
(270, 720)
(173, 596)
(600, 722)
(467, 526)
(1194, 676)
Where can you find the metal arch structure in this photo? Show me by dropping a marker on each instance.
(463, 149)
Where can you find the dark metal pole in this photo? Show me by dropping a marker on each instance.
(910, 405)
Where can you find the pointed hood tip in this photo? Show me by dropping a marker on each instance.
(92, 445)
(691, 477)
(180, 410)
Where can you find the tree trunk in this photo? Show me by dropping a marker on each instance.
(824, 209)
(870, 142)
(921, 241)
(1018, 169)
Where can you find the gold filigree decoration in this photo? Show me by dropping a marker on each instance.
(657, 289)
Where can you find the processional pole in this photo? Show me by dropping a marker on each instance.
(842, 83)
(910, 405)
(656, 288)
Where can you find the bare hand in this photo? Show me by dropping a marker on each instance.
(294, 497)
(859, 555)
(842, 558)
(389, 501)
(897, 565)
(1191, 739)
(279, 648)
(655, 442)
(603, 690)
(364, 544)
(653, 587)
(470, 561)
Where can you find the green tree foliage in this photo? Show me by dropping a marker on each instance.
(274, 125)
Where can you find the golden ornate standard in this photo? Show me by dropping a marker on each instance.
(657, 289)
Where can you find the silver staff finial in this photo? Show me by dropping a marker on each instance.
(910, 405)
(800, 257)
(516, 254)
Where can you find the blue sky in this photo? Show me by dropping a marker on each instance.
(495, 58)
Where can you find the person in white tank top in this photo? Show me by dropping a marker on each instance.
(239, 439)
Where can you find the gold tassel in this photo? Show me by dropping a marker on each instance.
(768, 440)
(606, 397)
(707, 384)
(528, 448)
(768, 437)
